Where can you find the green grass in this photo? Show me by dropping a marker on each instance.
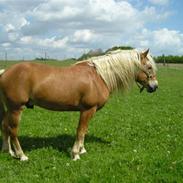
(134, 138)
(6, 64)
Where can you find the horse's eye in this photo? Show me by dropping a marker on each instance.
(149, 67)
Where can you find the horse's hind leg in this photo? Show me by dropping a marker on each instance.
(78, 147)
(6, 146)
(11, 130)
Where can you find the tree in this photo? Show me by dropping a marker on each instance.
(169, 59)
(91, 53)
(98, 52)
(119, 48)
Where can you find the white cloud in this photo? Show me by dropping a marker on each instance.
(168, 38)
(54, 14)
(83, 36)
(6, 45)
(160, 41)
(67, 27)
(13, 36)
(21, 6)
(9, 28)
(26, 40)
(23, 22)
(110, 10)
(100, 14)
(159, 2)
(151, 14)
(13, 20)
(48, 42)
(53, 42)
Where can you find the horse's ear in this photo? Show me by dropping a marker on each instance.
(145, 53)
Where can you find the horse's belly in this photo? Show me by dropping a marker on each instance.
(57, 106)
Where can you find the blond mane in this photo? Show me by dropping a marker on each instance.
(118, 68)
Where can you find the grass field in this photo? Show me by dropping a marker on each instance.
(134, 138)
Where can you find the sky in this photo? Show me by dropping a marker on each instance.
(68, 28)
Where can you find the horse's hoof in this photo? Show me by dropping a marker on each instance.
(76, 157)
(12, 154)
(83, 150)
(24, 158)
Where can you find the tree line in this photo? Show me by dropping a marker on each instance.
(158, 59)
(169, 59)
(98, 52)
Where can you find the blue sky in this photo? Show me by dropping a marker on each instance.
(67, 28)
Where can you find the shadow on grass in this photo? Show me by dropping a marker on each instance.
(61, 142)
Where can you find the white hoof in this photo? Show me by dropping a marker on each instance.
(12, 154)
(76, 157)
(83, 150)
(24, 158)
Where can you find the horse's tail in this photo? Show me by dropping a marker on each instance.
(2, 108)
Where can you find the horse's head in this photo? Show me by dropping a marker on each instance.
(146, 76)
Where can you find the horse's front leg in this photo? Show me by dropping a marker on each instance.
(78, 148)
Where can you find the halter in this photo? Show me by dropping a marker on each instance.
(140, 87)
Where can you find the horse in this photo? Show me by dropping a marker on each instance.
(84, 86)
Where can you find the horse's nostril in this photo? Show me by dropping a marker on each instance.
(151, 89)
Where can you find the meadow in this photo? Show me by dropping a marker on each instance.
(134, 138)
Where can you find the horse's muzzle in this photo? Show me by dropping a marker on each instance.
(150, 89)
(152, 86)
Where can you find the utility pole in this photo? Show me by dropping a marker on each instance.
(164, 62)
(45, 56)
(6, 58)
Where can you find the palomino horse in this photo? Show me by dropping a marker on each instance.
(84, 86)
